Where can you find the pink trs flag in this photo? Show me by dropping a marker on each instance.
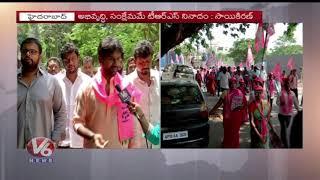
(277, 71)
(270, 29)
(259, 40)
(270, 32)
(290, 64)
(250, 60)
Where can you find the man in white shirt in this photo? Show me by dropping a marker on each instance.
(147, 80)
(223, 79)
(70, 82)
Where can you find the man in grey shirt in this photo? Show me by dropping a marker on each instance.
(41, 109)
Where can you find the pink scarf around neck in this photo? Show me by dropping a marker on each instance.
(124, 116)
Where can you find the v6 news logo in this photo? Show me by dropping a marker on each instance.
(41, 148)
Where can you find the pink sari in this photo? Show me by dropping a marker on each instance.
(232, 118)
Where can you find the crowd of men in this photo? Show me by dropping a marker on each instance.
(247, 96)
(81, 108)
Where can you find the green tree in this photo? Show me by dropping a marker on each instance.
(88, 36)
(238, 53)
(286, 44)
(172, 34)
(225, 58)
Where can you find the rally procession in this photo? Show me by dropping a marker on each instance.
(231, 85)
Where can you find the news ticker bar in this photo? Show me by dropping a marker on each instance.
(139, 16)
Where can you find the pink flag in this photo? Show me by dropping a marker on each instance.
(240, 65)
(177, 59)
(270, 32)
(181, 59)
(250, 60)
(210, 60)
(277, 71)
(259, 40)
(219, 63)
(290, 64)
(203, 65)
(270, 29)
(233, 69)
(171, 60)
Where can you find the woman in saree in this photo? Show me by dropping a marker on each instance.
(260, 112)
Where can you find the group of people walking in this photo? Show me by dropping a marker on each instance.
(248, 96)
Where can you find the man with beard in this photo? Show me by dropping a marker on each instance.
(100, 116)
(147, 80)
(41, 109)
(70, 82)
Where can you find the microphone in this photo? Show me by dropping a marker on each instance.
(123, 94)
(125, 97)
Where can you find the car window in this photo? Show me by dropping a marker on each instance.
(169, 68)
(179, 95)
(185, 69)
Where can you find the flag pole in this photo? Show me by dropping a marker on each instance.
(264, 47)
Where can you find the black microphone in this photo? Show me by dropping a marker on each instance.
(125, 97)
(123, 94)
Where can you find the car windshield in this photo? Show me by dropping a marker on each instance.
(185, 69)
(180, 94)
(169, 68)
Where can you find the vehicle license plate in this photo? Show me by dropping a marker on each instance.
(175, 135)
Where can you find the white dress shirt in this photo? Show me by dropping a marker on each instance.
(69, 91)
(224, 80)
(150, 99)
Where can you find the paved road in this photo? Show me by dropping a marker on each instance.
(216, 127)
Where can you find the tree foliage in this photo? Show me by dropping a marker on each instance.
(287, 50)
(88, 36)
(238, 53)
(172, 34)
(285, 45)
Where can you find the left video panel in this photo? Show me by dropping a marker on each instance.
(88, 85)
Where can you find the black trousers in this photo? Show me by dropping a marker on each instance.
(284, 123)
(296, 131)
(295, 92)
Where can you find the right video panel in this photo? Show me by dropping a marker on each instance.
(234, 85)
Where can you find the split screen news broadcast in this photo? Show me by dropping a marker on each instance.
(159, 91)
(124, 85)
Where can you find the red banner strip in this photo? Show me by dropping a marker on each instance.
(139, 16)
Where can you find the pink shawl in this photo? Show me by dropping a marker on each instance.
(125, 117)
